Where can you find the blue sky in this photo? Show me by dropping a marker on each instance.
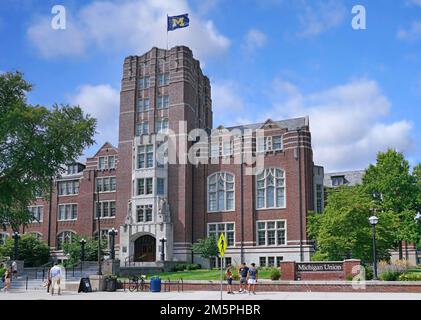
(266, 59)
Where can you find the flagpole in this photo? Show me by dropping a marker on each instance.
(167, 31)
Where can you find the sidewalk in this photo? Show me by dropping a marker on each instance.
(207, 295)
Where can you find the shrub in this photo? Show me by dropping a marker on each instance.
(2, 271)
(193, 266)
(275, 274)
(179, 267)
(349, 277)
(390, 275)
(368, 272)
(319, 256)
(410, 276)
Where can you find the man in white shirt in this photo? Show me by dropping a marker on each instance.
(55, 273)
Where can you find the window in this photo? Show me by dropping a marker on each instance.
(104, 236)
(142, 105)
(319, 198)
(144, 213)
(37, 212)
(66, 188)
(106, 184)
(144, 83)
(101, 163)
(163, 79)
(214, 149)
(142, 128)
(270, 233)
(72, 169)
(277, 143)
(215, 229)
(3, 238)
(105, 209)
(162, 101)
(160, 182)
(271, 261)
(228, 261)
(36, 235)
(278, 261)
(270, 143)
(145, 156)
(67, 212)
(161, 125)
(262, 261)
(111, 162)
(144, 186)
(220, 192)
(226, 148)
(64, 237)
(338, 180)
(270, 186)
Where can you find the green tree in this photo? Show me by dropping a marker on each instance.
(35, 143)
(391, 185)
(343, 230)
(33, 251)
(73, 250)
(206, 248)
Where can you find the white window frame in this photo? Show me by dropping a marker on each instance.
(75, 187)
(266, 172)
(114, 162)
(147, 150)
(143, 104)
(163, 79)
(144, 207)
(217, 232)
(65, 210)
(142, 128)
(162, 101)
(102, 184)
(268, 143)
(40, 212)
(143, 82)
(161, 125)
(276, 233)
(220, 175)
(101, 206)
(145, 184)
(72, 234)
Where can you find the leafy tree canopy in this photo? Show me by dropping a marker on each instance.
(35, 143)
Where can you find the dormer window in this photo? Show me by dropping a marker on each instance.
(338, 181)
(101, 163)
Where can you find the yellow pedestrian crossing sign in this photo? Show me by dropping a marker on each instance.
(222, 245)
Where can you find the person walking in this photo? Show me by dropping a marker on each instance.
(228, 275)
(15, 269)
(7, 279)
(252, 279)
(243, 272)
(55, 273)
(48, 284)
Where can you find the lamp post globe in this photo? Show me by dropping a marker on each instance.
(373, 220)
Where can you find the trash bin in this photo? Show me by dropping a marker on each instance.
(155, 284)
(111, 284)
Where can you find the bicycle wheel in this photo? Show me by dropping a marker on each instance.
(133, 287)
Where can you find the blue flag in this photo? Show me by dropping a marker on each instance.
(176, 22)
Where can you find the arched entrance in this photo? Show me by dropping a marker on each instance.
(144, 249)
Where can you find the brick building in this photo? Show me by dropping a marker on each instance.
(167, 179)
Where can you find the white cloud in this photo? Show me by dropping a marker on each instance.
(320, 17)
(346, 121)
(414, 2)
(227, 102)
(101, 102)
(130, 25)
(413, 33)
(254, 39)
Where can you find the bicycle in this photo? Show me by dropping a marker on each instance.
(134, 283)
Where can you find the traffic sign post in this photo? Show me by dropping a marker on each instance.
(222, 247)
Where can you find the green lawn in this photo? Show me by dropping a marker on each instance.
(201, 274)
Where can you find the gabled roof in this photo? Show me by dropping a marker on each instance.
(106, 145)
(289, 124)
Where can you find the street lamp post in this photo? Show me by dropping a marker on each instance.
(98, 215)
(112, 233)
(373, 221)
(16, 236)
(417, 219)
(82, 254)
(163, 240)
